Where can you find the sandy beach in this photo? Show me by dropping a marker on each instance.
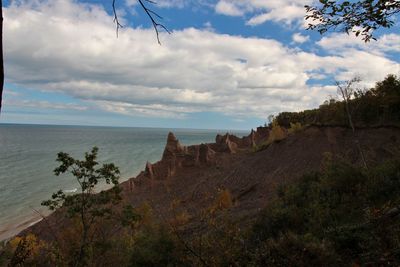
(12, 229)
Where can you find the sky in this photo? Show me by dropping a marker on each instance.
(227, 64)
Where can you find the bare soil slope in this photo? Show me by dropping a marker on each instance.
(192, 176)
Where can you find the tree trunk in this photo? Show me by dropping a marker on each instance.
(1, 55)
(346, 100)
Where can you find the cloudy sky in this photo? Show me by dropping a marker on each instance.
(228, 64)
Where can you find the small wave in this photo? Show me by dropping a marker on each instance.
(71, 190)
(35, 222)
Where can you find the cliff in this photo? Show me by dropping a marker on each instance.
(177, 157)
(194, 175)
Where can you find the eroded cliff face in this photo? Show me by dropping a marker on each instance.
(193, 175)
(176, 156)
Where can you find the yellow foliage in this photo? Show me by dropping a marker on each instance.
(27, 247)
(295, 128)
(31, 243)
(14, 242)
(181, 219)
(224, 201)
(277, 133)
(146, 213)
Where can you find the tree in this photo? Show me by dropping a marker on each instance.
(151, 14)
(360, 17)
(346, 90)
(1, 55)
(86, 206)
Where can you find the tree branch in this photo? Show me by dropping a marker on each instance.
(116, 21)
(153, 16)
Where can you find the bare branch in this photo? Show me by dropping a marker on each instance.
(116, 20)
(153, 16)
(150, 14)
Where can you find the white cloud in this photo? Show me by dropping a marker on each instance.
(62, 46)
(339, 42)
(171, 3)
(227, 8)
(151, 110)
(131, 3)
(299, 38)
(260, 11)
(44, 104)
(285, 14)
(159, 3)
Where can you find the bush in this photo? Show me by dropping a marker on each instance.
(155, 247)
(276, 134)
(28, 250)
(295, 128)
(378, 106)
(294, 250)
(343, 208)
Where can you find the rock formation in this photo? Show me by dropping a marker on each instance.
(176, 156)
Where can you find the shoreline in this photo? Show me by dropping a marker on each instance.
(13, 229)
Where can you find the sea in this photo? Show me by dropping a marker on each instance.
(28, 157)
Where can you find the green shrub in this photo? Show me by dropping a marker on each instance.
(342, 208)
(378, 106)
(155, 247)
(294, 250)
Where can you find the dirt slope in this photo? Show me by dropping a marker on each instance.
(253, 176)
(193, 175)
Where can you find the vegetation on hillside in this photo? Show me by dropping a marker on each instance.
(377, 106)
(343, 215)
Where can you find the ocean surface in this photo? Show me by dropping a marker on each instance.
(28, 153)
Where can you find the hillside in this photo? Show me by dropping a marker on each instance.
(251, 177)
(193, 176)
(321, 194)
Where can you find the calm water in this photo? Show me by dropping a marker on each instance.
(28, 153)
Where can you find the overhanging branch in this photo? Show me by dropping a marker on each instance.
(151, 14)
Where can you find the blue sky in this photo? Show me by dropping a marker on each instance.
(226, 65)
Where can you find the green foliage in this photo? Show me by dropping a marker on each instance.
(87, 176)
(339, 214)
(156, 247)
(221, 241)
(294, 250)
(342, 215)
(360, 17)
(88, 212)
(377, 106)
